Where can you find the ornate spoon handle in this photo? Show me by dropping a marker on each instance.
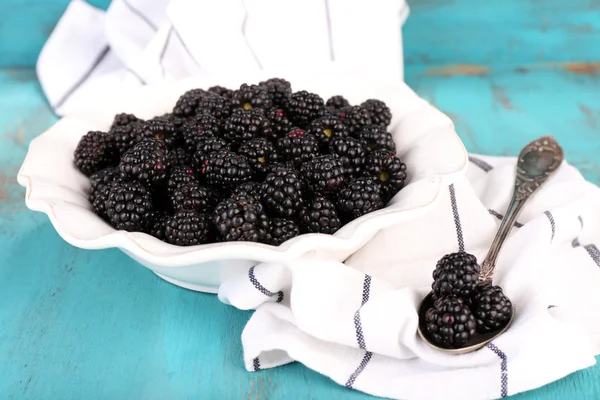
(536, 163)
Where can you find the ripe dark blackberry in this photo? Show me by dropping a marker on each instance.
(449, 323)
(358, 197)
(280, 165)
(221, 91)
(146, 162)
(241, 219)
(225, 169)
(207, 146)
(187, 104)
(187, 228)
(455, 274)
(178, 156)
(298, 147)
(319, 217)
(327, 128)
(192, 197)
(281, 193)
(323, 174)
(303, 107)
(355, 118)
(243, 125)
(95, 151)
(335, 103)
(158, 225)
(491, 307)
(280, 124)
(376, 138)
(260, 152)
(280, 231)
(388, 170)
(351, 153)
(249, 189)
(124, 119)
(129, 206)
(380, 112)
(199, 126)
(279, 90)
(178, 175)
(100, 183)
(215, 105)
(249, 97)
(160, 129)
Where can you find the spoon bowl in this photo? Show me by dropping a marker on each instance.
(475, 343)
(537, 161)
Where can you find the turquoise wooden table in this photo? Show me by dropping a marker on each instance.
(78, 324)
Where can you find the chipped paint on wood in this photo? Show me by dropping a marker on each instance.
(589, 115)
(459, 70)
(501, 97)
(584, 68)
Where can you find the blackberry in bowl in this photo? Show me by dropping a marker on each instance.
(155, 193)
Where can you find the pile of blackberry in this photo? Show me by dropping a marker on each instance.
(259, 163)
(462, 306)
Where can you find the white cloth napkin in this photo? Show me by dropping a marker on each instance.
(357, 323)
(91, 52)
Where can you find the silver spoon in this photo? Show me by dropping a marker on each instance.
(536, 163)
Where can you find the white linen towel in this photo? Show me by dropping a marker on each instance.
(357, 323)
(91, 52)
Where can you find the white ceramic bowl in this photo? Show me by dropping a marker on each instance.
(425, 139)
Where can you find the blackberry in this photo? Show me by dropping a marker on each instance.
(215, 105)
(359, 197)
(351, 153)
(376, 138)
(158, 225)
(124, 119)
(160, 129)
(491, 307)
(207, 146)
(129, 206)
(126, 136)
(298, 147)
(302, 107)
(327, 128)
(388, 170)
(100, 183)
(95, 151)
(380, 112)
(324, 174)
(280, 165)
(249, 189)
(281, 193)
(243, 125)
(146, 162)
(179, 175)
(192, 197)
(455, 274)
(249, 97)
(199, 126)
(335, 103)
(280, 231)
(449, 323)
(260, 152)
(225, 169)
(187, 228)
(187, 104)
(279, 90)
(241, 219)
(355, 118)
(178, 156)
(280, 125)
(221, 91)
(319, 217)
